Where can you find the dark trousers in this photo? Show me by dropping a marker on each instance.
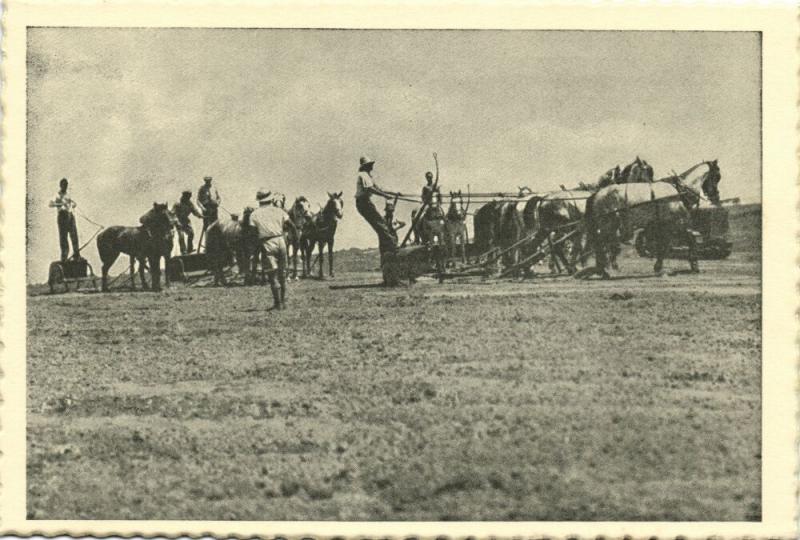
(186, 237)
(209, 216)
(68, 228)
(386, 240)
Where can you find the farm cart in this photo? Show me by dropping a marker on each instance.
(75, 270)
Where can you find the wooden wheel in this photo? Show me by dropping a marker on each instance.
(55, 276)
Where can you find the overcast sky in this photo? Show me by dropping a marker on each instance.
(133, 116)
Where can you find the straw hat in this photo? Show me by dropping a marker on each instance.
(263, 195)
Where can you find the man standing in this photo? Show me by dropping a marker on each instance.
(365, 187)
(183, 209)
(269, 221)
(209, 200)
(66, 221)
(428, 190)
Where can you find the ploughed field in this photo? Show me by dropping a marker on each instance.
(551, 399)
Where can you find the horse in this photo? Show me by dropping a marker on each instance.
(320, 229)
(660, 210)
(148, 242)
(430, 228)
(556, 212)
(500, 224)
(636, 171)
(231, 241)
(484, 225)
(455, 226)
(299, 213)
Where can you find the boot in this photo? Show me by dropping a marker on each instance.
(276, 299)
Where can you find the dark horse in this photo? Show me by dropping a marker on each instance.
(230, 241)
(148, 242)
(299, 213)
(320, 229)
(659, 209)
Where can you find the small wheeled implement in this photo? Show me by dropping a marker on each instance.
(75, 270)
(183, 267)
(710, 226)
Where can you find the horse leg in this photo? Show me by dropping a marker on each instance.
(133, 273)
(167, 282)
(321, 258)
(693, 264)
(660, 242)
(330, 258)
(155, 273)
(142, 264)
(107, 260)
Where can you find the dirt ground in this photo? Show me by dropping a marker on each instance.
(631, 399)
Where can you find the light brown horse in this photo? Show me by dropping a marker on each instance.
(455, 226)
(320, 230)
(559, 213)
(660, 210)
(299, 214)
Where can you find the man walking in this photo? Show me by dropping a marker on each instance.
(66, 221)
(183, 210)
(209, 200)
(269, 221)
(365, 188)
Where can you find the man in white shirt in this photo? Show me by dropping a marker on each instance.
(365, 188)
(269, 221)
(67, 227)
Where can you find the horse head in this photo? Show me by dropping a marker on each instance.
(160, 222)
(636, 171)
(301, 209)
(279, 200)
(335, 206)
(456, 210)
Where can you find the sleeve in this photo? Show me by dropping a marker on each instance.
(55, 203)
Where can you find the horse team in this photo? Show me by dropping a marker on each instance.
(599, 217)
(228, 240)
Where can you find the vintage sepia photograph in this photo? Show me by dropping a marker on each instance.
(393, 275)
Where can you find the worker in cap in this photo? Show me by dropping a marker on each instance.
(269, 221)
(365, 188)
(209, 200)
(67, 228)
(183, 210)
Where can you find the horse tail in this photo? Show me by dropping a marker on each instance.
(105, 245)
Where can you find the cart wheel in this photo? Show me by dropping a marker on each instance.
(55, 275)
(176, 270)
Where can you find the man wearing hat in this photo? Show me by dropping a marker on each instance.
(66, 221)
(183, 209)
(209, 200)
(269, 221)
(365, 188)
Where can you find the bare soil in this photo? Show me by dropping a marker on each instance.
(636, 398)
